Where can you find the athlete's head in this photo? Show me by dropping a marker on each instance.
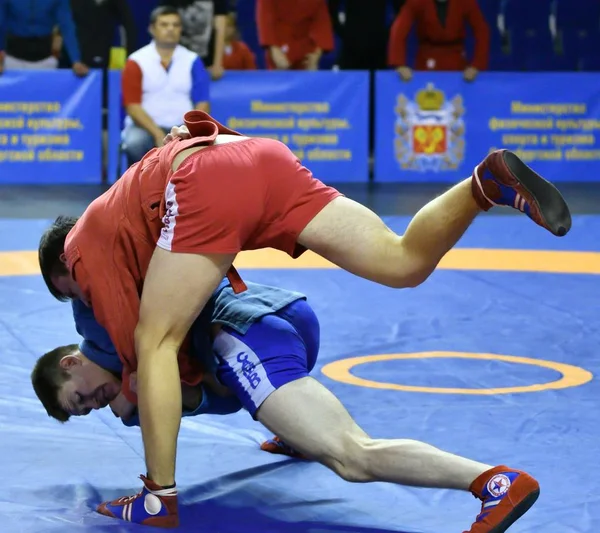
(69, 384)
(51, 255)
(165, 26)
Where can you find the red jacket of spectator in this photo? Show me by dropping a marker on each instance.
(440, 47)
(238, 56)
(299, 27)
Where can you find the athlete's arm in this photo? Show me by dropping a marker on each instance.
(186, 282)
(193, 398)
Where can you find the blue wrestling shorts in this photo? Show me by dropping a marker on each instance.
(277, 349)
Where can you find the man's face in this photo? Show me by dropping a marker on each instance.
(66, 285)
(230, 29)
(90, 386)
(167, 30)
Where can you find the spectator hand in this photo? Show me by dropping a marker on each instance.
(57, 43)
(177, 132)
(216, 72)
(159, 138)
(470, 73)
(405, 73)
(311, 61)
(80, 69)
(279, 58)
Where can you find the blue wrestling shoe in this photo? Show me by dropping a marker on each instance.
(503, 179)
(152, 506)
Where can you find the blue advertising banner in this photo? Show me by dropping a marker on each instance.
(322, 116)
(50, 127)
(438, 127)
(116, 163)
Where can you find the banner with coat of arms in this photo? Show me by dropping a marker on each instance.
(429, 131)
(421, 131)
(438, 127)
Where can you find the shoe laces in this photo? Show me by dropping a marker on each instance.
(127, 499)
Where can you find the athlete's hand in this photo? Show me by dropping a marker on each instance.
(133, 382)
(152, 506)
(177, 132)
(211, 381)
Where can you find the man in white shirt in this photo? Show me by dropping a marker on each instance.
(161, 82)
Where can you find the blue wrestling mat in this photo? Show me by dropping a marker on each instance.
(460, 325)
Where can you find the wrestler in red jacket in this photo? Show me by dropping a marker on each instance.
(441, 31)
(294, 33)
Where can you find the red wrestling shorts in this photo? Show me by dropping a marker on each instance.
(245, 194)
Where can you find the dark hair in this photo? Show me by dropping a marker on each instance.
(161, 12)
(51, 247)
(48, 378)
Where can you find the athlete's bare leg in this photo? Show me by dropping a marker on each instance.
(356, 239)
(322, 429)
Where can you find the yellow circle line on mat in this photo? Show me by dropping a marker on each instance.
(572, 376)
(26, 262)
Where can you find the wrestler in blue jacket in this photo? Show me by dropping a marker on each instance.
(237, 311)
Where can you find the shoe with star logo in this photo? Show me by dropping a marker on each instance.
(506, 495)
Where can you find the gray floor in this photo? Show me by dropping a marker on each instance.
(385, 199)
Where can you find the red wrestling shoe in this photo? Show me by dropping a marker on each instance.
(277, 446)
(503, 179)
(506, 495)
